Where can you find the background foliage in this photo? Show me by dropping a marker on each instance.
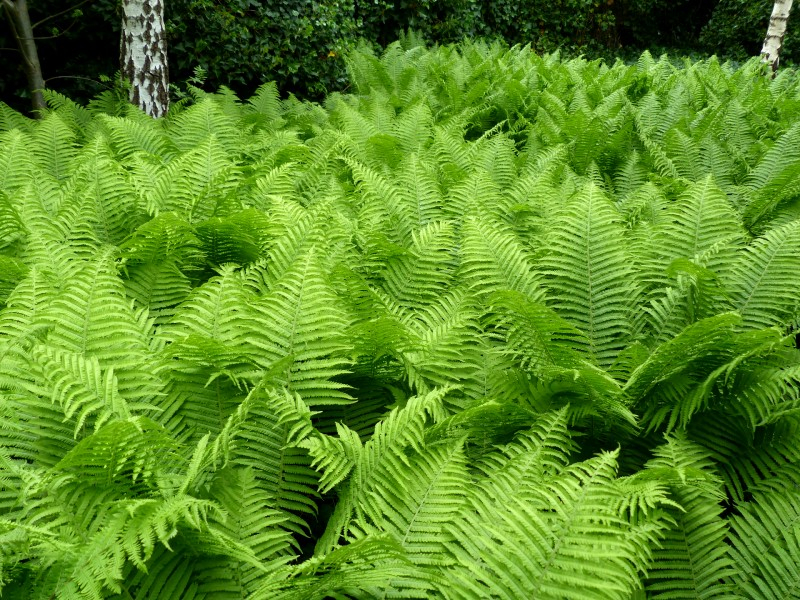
(300, 44)
(737, 25)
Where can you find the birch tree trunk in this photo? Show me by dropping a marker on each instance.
(771, 51)
(143, 55)
(20, 23)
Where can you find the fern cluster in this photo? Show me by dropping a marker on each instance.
(493, 325)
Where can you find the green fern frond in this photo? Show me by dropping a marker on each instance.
(747, 459)
(264, 108)
(774, 179)
(204, 363)
(493, 260)
(384, 203)
(299, 320)
(534, 455)
(569, 527)
(162, 238)
(693, 557)
(419, 189)
(760, 280)
(53, 147)
(239, 238)
(16, 159)
(128, 453)
(414, 127)
(103, 195)
(252, 519)
(192, 127)
(538, 335)
(475, 193)
(360, 567)
(765, 536)
(415, 507)
(11, 119)
(669, 362)
(157, 287)
(91, 310)
(128, 137)
(24, 306)
(699, 221)
(684, 153)
(445, 342)
(588, 275)
(194, 183)
(81, 387)
(425, 271)
(381, 456)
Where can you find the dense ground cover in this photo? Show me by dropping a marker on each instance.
(494, 325)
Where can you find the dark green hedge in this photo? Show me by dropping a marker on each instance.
(737, 30)
(300, 43)
(242, 43)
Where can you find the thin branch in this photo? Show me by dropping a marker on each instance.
(58, 14)
(100, 83)
(12, 18)
(59, 34)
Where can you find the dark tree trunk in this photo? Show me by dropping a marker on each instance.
(20, 23)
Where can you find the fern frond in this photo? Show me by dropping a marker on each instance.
(193, 184)
(567, 541)
(53, 146)
(538, 335)
(761, 280)
(534, 455)
(701, 220)
(299, 320)
(494, 260)
(252, 518)
(588, 274)
(424, 272)
(202, 357)
(445, 339)
(16, 159)
(766, 546)
(382, 456)
(361, 567)
(693, 557)
(774, 179)
(157, 287)
(667, 365)
(81, 387)
(415, 505)
(128, 137)
(192, 127)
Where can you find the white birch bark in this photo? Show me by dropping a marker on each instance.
(143, 55)
(771, 51)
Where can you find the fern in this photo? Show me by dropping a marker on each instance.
(424, 339)
(763, 274)
(693, 557)
(586, 274)
(765, 546)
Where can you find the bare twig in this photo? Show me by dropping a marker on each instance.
(59, 34)
(100, 83)
(58, 14)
